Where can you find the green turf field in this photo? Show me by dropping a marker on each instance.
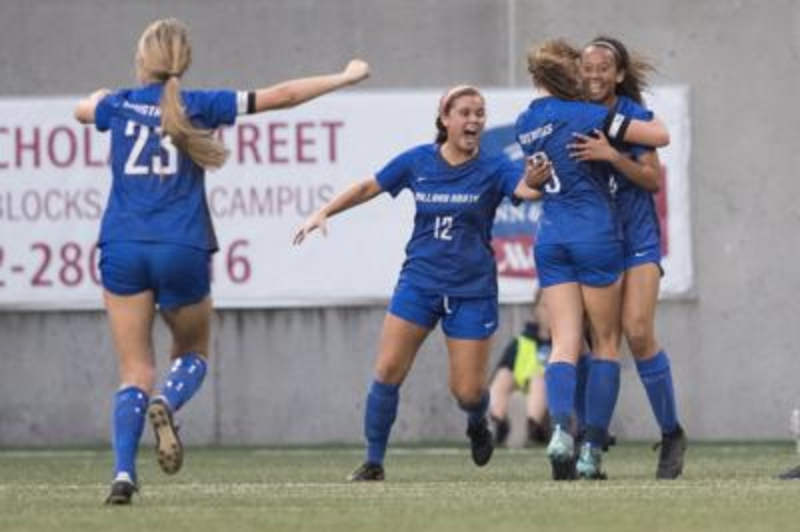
(725, 488)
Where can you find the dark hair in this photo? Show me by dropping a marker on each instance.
(446, 104)
(553, 65)
(635, 67)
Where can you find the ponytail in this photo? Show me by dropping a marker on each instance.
(199, 144)
(164, 54)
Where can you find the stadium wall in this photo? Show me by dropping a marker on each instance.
(299, 375)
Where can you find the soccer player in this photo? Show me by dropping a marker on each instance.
(612, 77)
(449, 274)
(157, 238)
(578, 250)
(522, 367)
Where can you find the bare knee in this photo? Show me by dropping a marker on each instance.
(391, 369)
(640, 337)
(467, 392)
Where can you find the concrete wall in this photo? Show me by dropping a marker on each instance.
(283, 376)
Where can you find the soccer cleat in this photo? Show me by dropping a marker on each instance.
(611, 440)
(791, 474)
(481, 442)
(168, 445)
(367, 472)
(561, 452)
(538, 433)
(122, 490)
(590, 463)
(670, 459)
(501, 428)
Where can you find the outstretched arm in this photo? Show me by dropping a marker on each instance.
(356, 194)
(644, 171)
(84, 112)
(297, 91)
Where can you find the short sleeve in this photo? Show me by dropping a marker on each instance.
(626, 110)
(511, 172)
(395, 176)
(213, 108)
(637, 112)
(104, 111)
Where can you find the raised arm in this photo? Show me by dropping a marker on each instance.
(644, 171)
(297, 91)
(356, 194)
(84, 112)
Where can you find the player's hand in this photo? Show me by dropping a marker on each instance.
(538, 171)
(592, 148)
(355, 71)
(315, 221)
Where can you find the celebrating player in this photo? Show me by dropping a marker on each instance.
(612, 77)
(578, 250)
(449, 273)
(156, 237)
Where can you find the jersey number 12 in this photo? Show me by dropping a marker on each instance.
(442, 228)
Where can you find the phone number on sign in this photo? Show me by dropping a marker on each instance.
(73, 265)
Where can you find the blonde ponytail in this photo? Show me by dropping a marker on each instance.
(165, 54)
(199, 144)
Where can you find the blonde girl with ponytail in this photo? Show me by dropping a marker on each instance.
(157, 237)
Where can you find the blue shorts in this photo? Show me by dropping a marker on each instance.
(463, 318)
(638, 256)
(178, 275)
(588, 263)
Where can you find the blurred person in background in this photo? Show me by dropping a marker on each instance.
(521, 368)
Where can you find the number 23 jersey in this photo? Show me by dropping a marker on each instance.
(450, 249)
(158, 192)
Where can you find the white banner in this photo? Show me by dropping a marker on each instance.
(54, 181)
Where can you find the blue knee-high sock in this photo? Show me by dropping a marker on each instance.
(560, 380)
(476, 412)
(184, 379)
(381, 411)
(130, 406)
(581, 380)
(602, 391)
(656, 376)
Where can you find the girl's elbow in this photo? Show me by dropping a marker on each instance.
(80, 115)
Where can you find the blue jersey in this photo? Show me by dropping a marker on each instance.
(577, 204)
(450, 249)
(157, 192)
(635, 205)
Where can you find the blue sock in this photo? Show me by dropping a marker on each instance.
(184, 379)
(130, 406)
(656, 376)
(560, 383)
(581, 380)
(476, 412)
(381, 411)
(602, 391)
